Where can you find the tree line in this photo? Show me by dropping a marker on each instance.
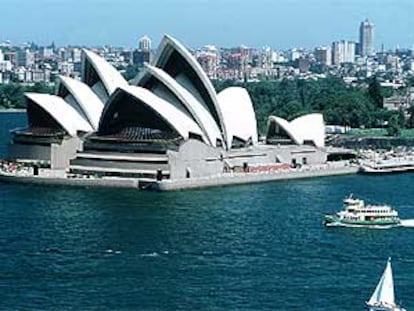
(12, 94)
(339, 102)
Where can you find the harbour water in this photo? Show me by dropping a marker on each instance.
(251, 247)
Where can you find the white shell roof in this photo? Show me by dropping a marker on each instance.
(286, 126)
(310, 127)
(179, 121)
(169, 44)
(198, 111)
(110, 77)
(62, 112)
(86, 99)
(307, 127)
(238, 114)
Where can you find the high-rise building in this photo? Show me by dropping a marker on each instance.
(323, 55)
(25, 58)
(343, 52)
(76, 55)
(144, 44)
(143, 53)
(366, 38)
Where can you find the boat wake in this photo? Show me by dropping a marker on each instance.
(407, 223)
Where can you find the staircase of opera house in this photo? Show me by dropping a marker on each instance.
(145, 166)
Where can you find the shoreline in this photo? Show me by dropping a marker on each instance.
(249, 178)
(220, 180)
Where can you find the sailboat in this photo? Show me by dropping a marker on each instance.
(383, 298)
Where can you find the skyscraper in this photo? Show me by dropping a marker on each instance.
(366, 38)
(144, 44)
(143, 53)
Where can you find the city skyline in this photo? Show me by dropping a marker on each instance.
(226, 23)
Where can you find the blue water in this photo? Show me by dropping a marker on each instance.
(258, 247)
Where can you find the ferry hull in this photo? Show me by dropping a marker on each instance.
(333, 221)
(385, 170)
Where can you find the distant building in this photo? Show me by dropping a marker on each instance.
(343, 52)
(366, 38)
(11, 56)
(66, 68)
(5, 65)
(397, 102)
(25, 58)
(144, 43)
(303, 64)
(209, 60)
(46, 52)
(143, 53)
(140, 57)
(294, 54)
(76, 55)
(323, 55)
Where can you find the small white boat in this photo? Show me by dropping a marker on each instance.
(383, 298)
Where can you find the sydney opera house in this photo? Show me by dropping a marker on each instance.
(167, 123)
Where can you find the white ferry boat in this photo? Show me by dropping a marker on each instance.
(357, 214)
(393, 165)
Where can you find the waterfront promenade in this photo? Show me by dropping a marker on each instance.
(250, 178)
(224, 179)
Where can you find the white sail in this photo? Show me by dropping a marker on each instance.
(384, 292)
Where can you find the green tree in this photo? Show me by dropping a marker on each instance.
(375, 92)
(401, 118)
(12, 95)
(131, 71)
(40, 87)
(393, 128)
(410, 121)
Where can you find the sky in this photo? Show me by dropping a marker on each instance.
(280, 24)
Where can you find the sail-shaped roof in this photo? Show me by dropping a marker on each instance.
(84, 97)
(150, 110)
(286, 128)
(163, 85)
(101, 76)
(310, 127)
(238, 115)
(306, 128)
(62, 112)
(177, 61)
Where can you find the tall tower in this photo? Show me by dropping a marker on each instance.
(143, 53)
(366, 38)
(144, 44)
